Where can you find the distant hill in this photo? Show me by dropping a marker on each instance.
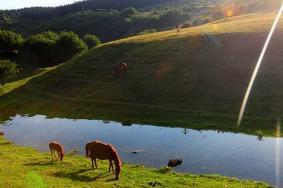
(196, 79)
(107, 18)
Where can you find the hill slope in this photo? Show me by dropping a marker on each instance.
(196, 79)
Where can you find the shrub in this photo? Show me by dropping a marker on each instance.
(147, 31)
(128, 12)
(68, 45)
(42, 46)
(91, 40)
(7, 71)
(10, 41)
(50, 48)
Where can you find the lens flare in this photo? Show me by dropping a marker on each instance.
(229, 12)
(277, 157)
(247, 94)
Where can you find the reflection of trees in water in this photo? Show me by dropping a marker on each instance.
(7, 113)
(185, 131)
(127, 124)
(259, 135)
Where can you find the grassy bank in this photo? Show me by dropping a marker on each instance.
(194, 80)
(26, 167)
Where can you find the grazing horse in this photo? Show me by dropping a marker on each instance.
(2, 133)
(119, 68)
(99, 150)
(55, 147)
(178, 28)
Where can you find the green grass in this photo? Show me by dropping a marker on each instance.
(194, 80)
(7, 88)
(26, 167)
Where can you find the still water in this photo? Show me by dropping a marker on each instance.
(204, 152)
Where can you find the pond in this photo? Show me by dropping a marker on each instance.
(202, 152)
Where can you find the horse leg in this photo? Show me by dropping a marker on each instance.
(111, 166)
(95, 163)
(51, 151)
(92, 163)
(58, 155)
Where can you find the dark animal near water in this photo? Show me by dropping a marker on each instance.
(174, 162)
(2, 133)
(121, 67)
(55, 147)
(99, 150)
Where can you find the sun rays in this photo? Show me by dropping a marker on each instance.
(277, 155)
(251, 83)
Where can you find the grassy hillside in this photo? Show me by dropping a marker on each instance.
(26, 167)
(196, 79)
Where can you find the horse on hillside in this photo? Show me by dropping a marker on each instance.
(121, 67)
(99, 150)
(55, 147)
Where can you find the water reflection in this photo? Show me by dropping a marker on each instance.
(229, 154)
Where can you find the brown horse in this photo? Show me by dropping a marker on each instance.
(121, 67)
(55, 147)
(2, 133)
(99, 150)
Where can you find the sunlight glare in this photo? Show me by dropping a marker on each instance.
(247, 94)
(229, 12)
(277, 158)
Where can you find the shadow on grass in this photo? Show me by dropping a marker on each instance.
(5, 143)
(46, 163)
(77, 176)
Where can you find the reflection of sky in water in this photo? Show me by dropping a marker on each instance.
(202, 152)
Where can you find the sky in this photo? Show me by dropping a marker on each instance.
(15, 4)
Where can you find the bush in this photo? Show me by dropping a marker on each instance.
(7, 71)
(91, 40)
(187, 24)
(68, 45)
(147, 31)
(42, 46)
(10, 41)
(170, 16)
(128, 12)
(50, 48)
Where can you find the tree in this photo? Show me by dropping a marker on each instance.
(7, 71)
(42, 46)
(91, 40)
(68, 45)
(128, 12)
(10, 41)
(50, 48)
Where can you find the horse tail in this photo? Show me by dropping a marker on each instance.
(87, 149)
(51, 146)
(62, 153)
